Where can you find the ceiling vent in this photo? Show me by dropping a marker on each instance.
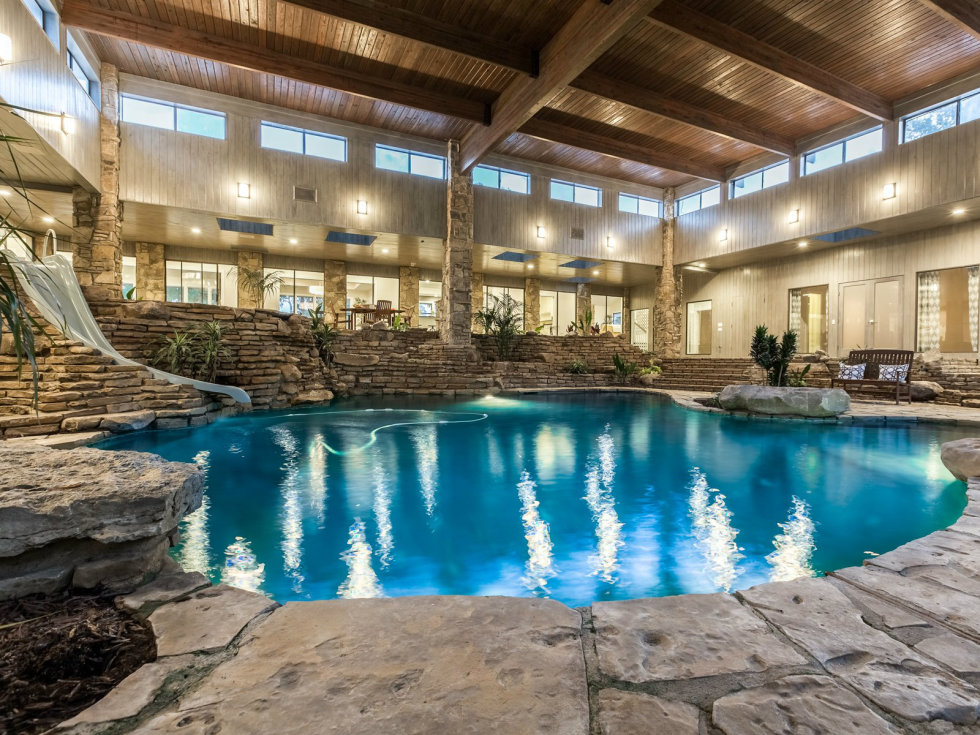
(304, 194)
(578, 233)
(851, 233)
(240, 225)
(579, 264)
(515, 257)
(350, 238)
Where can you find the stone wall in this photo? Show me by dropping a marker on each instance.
(273, 357)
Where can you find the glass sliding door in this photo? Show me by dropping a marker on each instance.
(948, 310)
(809, 315)
(430, 293)
(699, 328)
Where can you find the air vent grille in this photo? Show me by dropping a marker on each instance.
(578, 233)
(304, 194)
(243, 226)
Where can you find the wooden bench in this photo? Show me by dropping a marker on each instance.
(872, 360)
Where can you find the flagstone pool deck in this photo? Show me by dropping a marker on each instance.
(889, 647)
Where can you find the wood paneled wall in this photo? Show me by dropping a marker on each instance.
(744, 297)
(188, 171)
(37, 78)
(936, 170)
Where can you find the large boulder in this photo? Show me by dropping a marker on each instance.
(811, 402)
(88, 518)
(962, 457)
(925, 390)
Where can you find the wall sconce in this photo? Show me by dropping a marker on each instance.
(723, 234)
(362, 206)
(794, 216)
(541, 231)
(6, 49)
(244, 190)
(889, 191)
(610, 242)
(67, 124)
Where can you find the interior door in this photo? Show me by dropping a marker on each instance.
(854, 317)
(871, 315)
(887, 319)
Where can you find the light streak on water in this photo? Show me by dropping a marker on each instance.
(382, 512)
(598, 494)
(242, 569)
(426, 454)
(362, 581)
(714, 534)
(540, 564)
(195, 546)
(316, 460)
(291, 515)
(794, 546)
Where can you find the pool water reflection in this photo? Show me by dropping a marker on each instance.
(576, 497)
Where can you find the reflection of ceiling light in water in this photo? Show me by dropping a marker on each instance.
(794, 546)
(598, 495)
(292, 513)
(382, 513)
(539, 567)
(362, 581)
(241, 568)
(714, 533)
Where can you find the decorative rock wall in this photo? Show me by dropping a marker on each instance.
(532, 303)
(273, 357)
(151, 271)
(456, 319)
(408, 294)
(334, 290)
(667, 306)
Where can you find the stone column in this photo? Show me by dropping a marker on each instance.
(335, 292)
(97, 260)
(456, 324)
(626, 313)
(532, 303)
(248, 299)
(666, 305)
(477, 298)
(408, 294)
(151, 271)
(583, 304)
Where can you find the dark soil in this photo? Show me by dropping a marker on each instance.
(65, 654)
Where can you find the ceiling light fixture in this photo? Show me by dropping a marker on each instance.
(803, 243)
(6, 49)
(196, 230)
(723, 234)
(46, 219)
(889, 191)
(384, 251)
(699, 265)
(68, 126)
(958, 211)
(794, 216)
(595, 273)
(293, 241)
(530, 266)
(244, 190)
(362, 206)
(4, 192)
(541, 231)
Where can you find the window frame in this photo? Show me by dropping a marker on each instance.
(75, 56)
(958, 101)
(180, 285)
(761, 172)
(575, 189)
(412, 156)
(843, 151)
(700, 196)
(636, 198)
(49, 21)
(499, 171)
(304, 133)
(174, 107)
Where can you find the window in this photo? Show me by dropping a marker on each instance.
(947, 115)
(501, 178)
(46, 17)
(128, 276)
(849, 149)
(778, 173)
(409, 162)
(640, 328)
(699, 328)
(367, 291)
(81, 69)
(170, 116)
(949, 310)
(808, 317)
(193, 283)
(566, 191)
(556, 311)
(306, 142)
(699, 200)
(640, 205)
(499, 292)
(607, 312)
(299, 291)
(430, 292)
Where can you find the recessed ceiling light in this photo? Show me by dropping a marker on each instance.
(293, 241)
(699, 265)
(4, 192)
(595, 273)
(196, 230)
(530, 266)
(47, 220)
(803, 243)
(957, 211)
(384, 251)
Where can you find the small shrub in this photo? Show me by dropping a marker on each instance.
(176, 353)
(194, 353)
(399, 324)
(324, 333)
(624, 368)
(503, 319)
(651, 369)
(772, 355)
(209, 350)
(797, 378)
(578, 366)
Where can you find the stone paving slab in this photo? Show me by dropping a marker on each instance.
(817, 616)
(684, 637)
(631, 713)
(418, 665)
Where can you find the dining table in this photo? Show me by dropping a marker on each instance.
(362, 310)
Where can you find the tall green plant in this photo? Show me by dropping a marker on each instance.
(584, 325)
(258, 283)
(324, 333)
(623, 367)
(175, 353)
(773, 355)
(209, 349)
(503, 319)
(194, 353)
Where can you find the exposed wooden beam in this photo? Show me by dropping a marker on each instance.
(644, 99)
(150, 32)
(758, 53)
(964, 13)
(557, 133)
(406, 24)
(591, 30)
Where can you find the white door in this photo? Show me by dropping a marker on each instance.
(871, 315)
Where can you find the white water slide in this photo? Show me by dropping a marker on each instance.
(53, 287)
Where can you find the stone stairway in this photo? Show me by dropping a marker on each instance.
(705, 373)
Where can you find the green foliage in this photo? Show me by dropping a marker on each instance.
(624, 368)
(773, 355)
(650, 369)
(16, 324)
(258, 283)
(503, 320)
(584, 324)
(797, 378)
(578, 366)
(194, 353)
(399, 324)
(324, 333)
(130, 294)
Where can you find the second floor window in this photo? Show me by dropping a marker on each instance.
(307, 142)
(170, 116)
(566, 191)
(640, 205)
(501, 178)
(409, 162)
(699, 200)
(761, 179)
(849, 149)
(947, 115)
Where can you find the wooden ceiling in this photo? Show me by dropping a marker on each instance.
(659, 92)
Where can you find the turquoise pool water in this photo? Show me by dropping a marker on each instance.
(577, 497)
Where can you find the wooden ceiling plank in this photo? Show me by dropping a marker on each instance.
(141, 30)
(557, 133)
(429, 31)
(647, 100)
(738, 44)
(964, 13)
(591, 30)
